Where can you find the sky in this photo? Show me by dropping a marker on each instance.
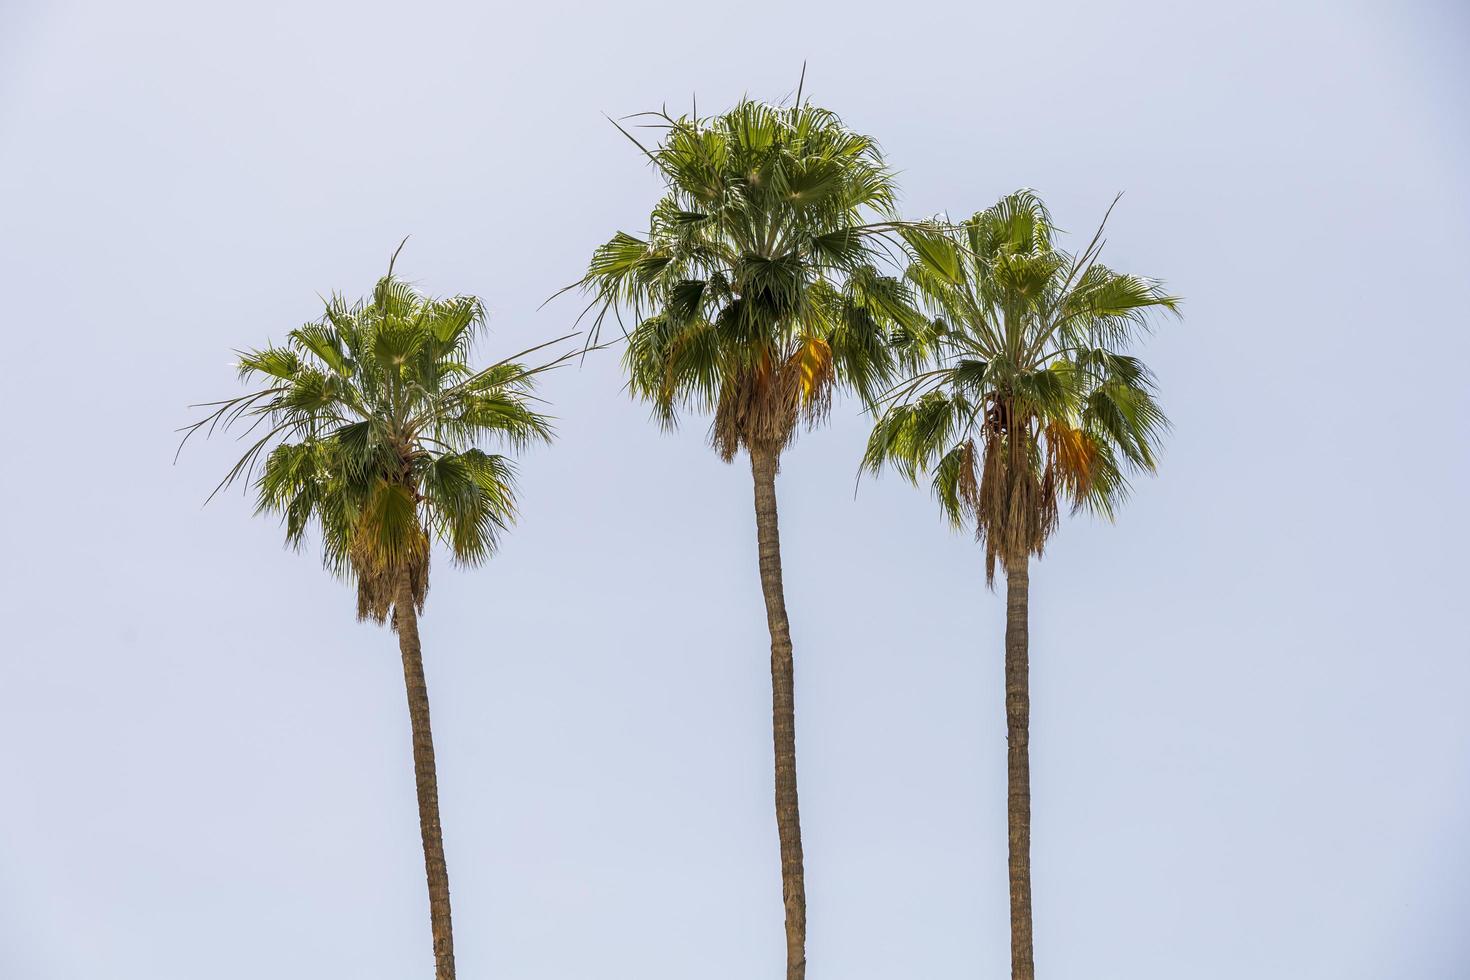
(1250, 746)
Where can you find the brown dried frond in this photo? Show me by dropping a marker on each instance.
(1017, 499)
(967, 486)
(758, 408)
(378, 584)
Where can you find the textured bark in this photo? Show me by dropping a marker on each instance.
(783, 711)
(407, 623)
(1018, 764)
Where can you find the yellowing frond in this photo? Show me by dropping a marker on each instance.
(813, 364)
(1074, 454)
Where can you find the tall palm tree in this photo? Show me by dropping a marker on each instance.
(373, 432)
(1030, 401)
(755, 296)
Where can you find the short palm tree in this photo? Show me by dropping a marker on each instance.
(1031, 401)
(373, 426)
(754, 297)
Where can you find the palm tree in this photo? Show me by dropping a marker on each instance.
(1030, 400)
(754, 297)
(373, 427)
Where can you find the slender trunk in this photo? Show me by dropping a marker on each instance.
(783, 712)
(407, 622)
(1018, 764)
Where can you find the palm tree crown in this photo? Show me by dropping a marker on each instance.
(375, 425)
(756, 291)
(1031, 397)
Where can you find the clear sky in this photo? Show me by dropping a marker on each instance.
(1251, 749)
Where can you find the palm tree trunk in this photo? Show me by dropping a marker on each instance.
(406, 621)
(783, 711)
(1018, 764)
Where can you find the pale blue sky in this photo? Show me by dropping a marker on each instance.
(1251, 749)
